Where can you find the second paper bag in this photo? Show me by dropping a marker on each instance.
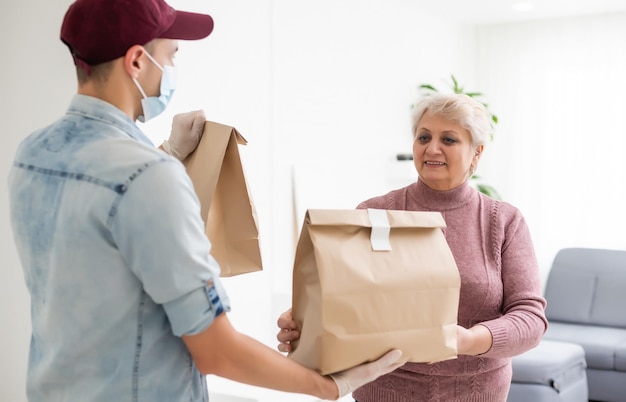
(367, 281)
(227, 209)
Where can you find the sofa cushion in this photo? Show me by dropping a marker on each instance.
(605, 347)
(550, 363)
(587, 286)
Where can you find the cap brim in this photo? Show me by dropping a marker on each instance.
(189, 26)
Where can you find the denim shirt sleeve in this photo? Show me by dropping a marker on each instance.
(158, 229)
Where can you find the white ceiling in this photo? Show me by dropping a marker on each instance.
(496, 11)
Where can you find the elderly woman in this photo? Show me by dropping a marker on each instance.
(501, 311)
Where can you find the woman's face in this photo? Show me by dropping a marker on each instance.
(443, 153)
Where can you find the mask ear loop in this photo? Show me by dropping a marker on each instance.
(143, 93)
(156, 63)
(152, 59)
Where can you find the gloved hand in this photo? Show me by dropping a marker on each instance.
(187, 129)
(351, 379)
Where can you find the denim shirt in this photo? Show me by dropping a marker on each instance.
(112, 245)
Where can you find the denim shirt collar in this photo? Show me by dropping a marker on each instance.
(97, 109)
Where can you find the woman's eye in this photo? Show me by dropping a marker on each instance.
(449, 140)
(423, 138)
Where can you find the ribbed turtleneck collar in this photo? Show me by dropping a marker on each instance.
(441, 200)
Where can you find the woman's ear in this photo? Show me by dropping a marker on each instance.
(478, 151)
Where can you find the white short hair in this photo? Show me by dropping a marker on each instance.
(460, 108)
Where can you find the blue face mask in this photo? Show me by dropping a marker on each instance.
(155, 105)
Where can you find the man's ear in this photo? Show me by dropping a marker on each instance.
(134, 60)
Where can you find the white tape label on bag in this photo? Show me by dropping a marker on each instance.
(380, 229)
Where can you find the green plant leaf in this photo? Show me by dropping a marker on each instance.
(429, 87)
(455, 85)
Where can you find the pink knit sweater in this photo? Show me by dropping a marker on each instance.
(500, 288)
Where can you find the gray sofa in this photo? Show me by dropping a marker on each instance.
(586, 294)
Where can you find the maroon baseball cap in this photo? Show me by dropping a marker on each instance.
(97, 31)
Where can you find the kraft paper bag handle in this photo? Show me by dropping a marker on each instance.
(380, 229)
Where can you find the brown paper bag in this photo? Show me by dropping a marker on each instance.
(367, 281)
(228, 211)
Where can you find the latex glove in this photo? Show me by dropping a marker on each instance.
(187, 129)
(351, 379)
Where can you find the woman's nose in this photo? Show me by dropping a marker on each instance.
(433, 149)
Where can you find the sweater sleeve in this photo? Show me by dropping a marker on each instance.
(522, 323)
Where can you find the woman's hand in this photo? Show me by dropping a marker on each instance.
(289, 332)
(474, 341)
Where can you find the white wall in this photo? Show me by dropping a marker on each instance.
(37, 85)
(558, 87)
